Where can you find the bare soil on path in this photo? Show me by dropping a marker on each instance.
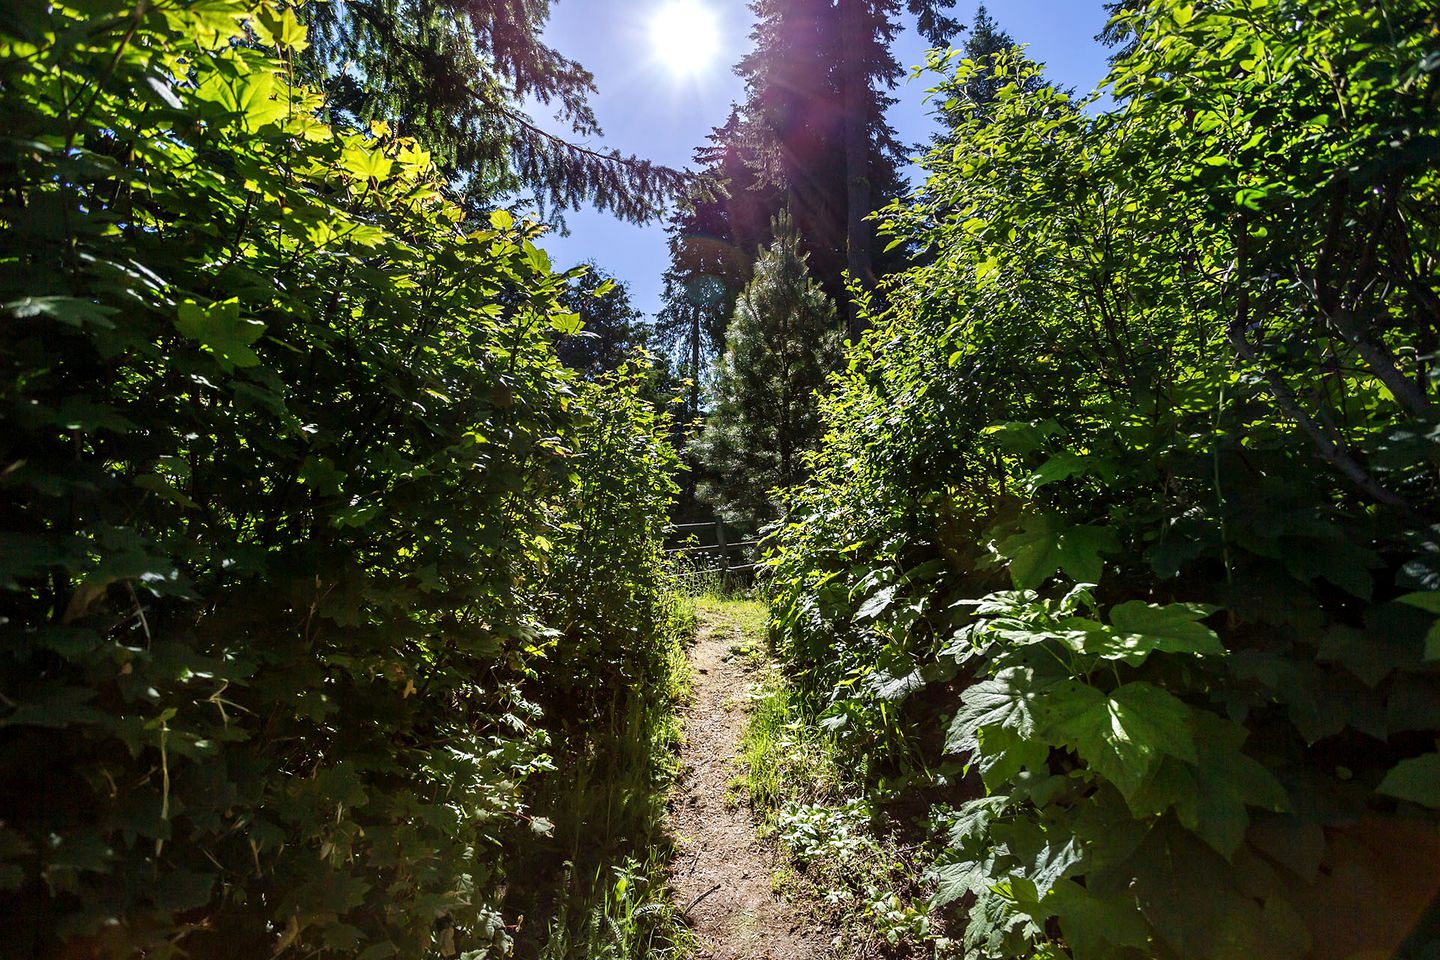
(721, 876)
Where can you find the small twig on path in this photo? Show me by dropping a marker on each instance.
(696, 902)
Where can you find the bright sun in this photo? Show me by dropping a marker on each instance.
(685, 35)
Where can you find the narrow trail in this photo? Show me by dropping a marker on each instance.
(722, 874)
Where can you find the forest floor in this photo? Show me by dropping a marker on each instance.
(723, 874)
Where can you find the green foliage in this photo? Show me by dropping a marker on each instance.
(787, 762)
(600, 874)
(607, 587)
(463, 78)
(1128, 500)
(290, 479)
(764, 416)
(611, 328)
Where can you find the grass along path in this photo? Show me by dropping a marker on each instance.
(722, 876)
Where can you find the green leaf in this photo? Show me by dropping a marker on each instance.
(1429, 601)
(1022, 438)
(1097, 927)
(974, 817)
(1002, 753)
(179, 889)
(1211, 797)
(956, 880)
(1197, 908)
(501, 219)
(221, 331)
(1416, 780)
(283, 28)
(567, 324)
(1123, 735)
(539, 259)
(321, 475)
(876, 604)
(1010, 700)
(53, 705)
(70, 311)
(1139, 629)
(1060, 467)
(366, 162)
(1046, 545)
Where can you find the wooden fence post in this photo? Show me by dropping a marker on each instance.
(724, 551)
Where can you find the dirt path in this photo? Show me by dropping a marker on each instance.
(722, 874)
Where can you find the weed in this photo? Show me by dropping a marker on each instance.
(834, 855)
(783, 756)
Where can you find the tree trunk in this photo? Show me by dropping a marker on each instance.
(695, 332)
(857, 97)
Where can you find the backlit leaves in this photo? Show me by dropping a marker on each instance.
(221, 330)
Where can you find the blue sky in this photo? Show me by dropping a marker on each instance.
(646, 109)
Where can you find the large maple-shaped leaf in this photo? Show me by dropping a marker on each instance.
(220, 329)
(974, 817)
(1175, 627)
(1201, 907)
(996, 725)
(1002, 753)
(1044, 546)
(1139, 629)
(1211, 797)
(1010, 699)
(956, 880)
(1122, 735)
(1096, 927)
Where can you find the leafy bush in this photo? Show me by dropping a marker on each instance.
(610, 690)
(1128, 498)
(608, 589)
(283, 445)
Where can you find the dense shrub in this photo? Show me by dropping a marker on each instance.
(283, 452)
(1129, 499)
(610, 691)
(607, 590)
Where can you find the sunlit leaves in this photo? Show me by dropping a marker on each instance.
(221, 330)
(281, 28)
(1139, 628)
(288, 453)
(367, 163)
(1045, 546)
(1168, 353)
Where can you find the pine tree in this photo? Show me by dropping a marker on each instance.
(868, 27)
(983, 40)
(454, 74)
(789, 147)
(1119, 34)
(764, 415)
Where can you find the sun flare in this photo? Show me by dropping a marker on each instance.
(686, 36)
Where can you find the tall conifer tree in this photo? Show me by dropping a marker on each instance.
(782, 344)
(793, 144)
(983, 40)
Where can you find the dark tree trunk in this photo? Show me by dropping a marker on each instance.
(695, 333)
(856, 93)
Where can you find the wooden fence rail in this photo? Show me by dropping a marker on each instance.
(722, 547)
